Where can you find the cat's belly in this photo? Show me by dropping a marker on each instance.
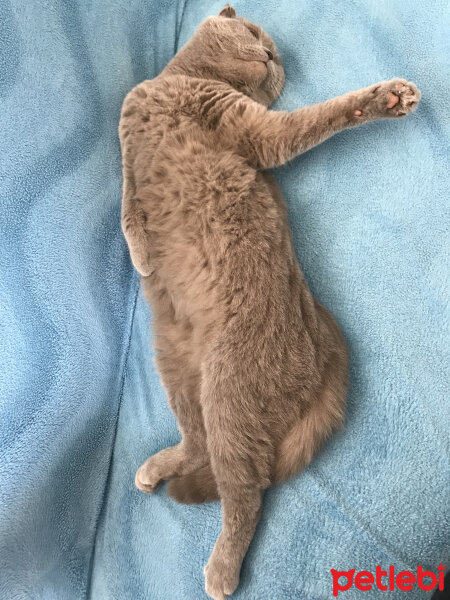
(186, 277)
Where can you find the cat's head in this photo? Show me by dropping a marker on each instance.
(234, 50)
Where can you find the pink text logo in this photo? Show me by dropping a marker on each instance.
(387, 580)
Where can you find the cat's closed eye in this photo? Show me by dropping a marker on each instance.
(254, 31)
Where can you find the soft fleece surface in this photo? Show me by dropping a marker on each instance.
(80, 404)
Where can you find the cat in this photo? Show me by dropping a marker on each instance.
(254, 367)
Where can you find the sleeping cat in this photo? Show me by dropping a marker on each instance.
(254, 367)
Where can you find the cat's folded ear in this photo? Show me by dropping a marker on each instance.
(228, 11)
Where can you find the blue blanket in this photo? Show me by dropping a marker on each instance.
(80, 404)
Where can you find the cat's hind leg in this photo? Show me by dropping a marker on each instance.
(195, 488)
(181, 379)
(183, 458)
(242, 458)
(175, 461)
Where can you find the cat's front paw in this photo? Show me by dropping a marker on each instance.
(138, 242)
(221, 578)
(141, 261)
(395, 98)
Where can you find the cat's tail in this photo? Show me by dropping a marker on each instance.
(194, 488)
(308, 434)
(325, 416)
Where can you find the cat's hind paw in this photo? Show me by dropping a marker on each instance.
(147, 477)
(220, 579)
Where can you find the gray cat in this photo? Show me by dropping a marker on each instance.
(254, 367)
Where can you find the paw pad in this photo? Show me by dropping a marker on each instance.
(393, 99)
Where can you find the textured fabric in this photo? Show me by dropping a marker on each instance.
(80, 403)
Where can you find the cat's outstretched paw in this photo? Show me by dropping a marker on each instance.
(220, 578)
(395, 98)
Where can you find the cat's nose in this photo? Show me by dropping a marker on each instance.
(269, 54)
